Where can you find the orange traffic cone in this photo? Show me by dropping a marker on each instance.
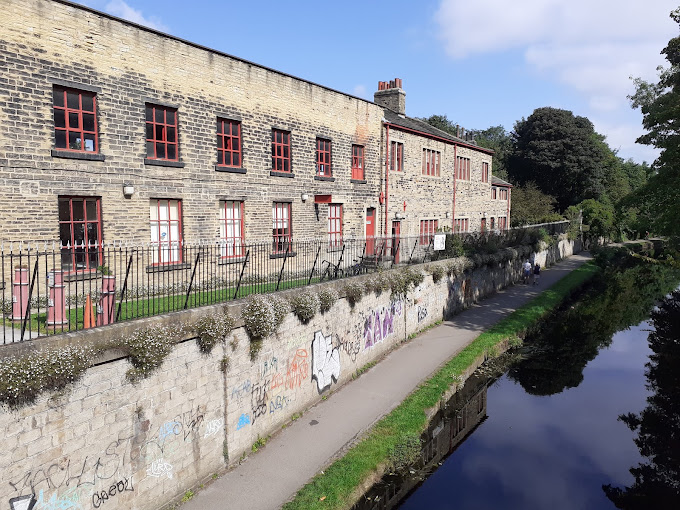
(88, 315)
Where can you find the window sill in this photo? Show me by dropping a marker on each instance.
(324, 178)
(230, 260)
(230, 169)
(163, 162)
(358, 181)
(281, 255)
(167, 267)
(87, 156)
(274, 173)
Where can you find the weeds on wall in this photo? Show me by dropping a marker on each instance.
(437, 271)
(327, 298)
(354, 291)
(147, 349)
(24, 378)
(405, 453)
(305, 305)
(212, 329)
(262, 316)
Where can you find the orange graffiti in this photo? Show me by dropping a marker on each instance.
(297, 371)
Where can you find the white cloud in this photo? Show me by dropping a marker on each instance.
(359, 90)
(123, 10)
(591, 46)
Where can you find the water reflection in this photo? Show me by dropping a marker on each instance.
(657, 478)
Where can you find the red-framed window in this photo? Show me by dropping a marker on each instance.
(427, 230)
(229, 143)
(502, 222)
(75, 120)
(323, 158)
(166, 230)
(431, 162)
(494, 193)
(161, 133)
(335, 225)
(503, 193)
(231, 229)
(281, 151)
(358, 162)
(282, 232)
(492, 223)
(80, 233)
(396, 156)
(462, 168)
(485, 172)
(460, 225)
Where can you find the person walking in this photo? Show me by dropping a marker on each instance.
(537, 273)
(526, 271)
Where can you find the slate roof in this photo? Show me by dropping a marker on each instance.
(499, 182)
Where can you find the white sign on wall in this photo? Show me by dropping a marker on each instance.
(439, 242)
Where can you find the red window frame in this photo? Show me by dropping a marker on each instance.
(503, 195)
(396, 156)
(171, 255)
(494, 193)
(75, 120)
(358, 162)
(281, 156)
(323, 158)
(461, 225)
(282, 231)
(492, 223)
(232, 233)
(427, 230)
(502, 222)
(431, 162)
(485, 172)
(462, 168)
(335, 225)
(86, 252)
(229, 143)
(161, 133)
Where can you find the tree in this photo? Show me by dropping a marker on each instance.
(562, 154)
(531, 206)
(442, 122)
(599, 217)
(497, 139)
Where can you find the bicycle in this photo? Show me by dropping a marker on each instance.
(330, 271)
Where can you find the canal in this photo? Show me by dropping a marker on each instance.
(560, 423)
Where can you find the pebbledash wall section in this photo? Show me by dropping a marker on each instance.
(107, 443)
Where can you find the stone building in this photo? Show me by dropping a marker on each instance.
(110, 130)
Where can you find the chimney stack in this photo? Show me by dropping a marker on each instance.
(391, 95)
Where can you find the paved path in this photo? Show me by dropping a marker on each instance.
(272, 476)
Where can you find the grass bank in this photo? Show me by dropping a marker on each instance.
(340, 481)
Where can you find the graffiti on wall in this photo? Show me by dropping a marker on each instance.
(325, 361)
(243, 420)
(378, 324)
(422, 314)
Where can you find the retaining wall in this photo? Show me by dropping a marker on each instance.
(107, 443)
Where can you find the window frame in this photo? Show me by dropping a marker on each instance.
(431, 162)
(324, 159)
(157, 246)
(494, 193)
(396, 155)
(68, 112)
(428, 227)
(164, 127)
(283, 145)
(236, 222)
(503, 194)
(227, 143)
(462, 168)
(485, 171)
(278, 246)
(87, 244)
(462, 224)
(335, 225)
(358, 161)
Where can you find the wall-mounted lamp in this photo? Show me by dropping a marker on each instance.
(128, 189)
(448, 214)
(399, 216)
(304, 197)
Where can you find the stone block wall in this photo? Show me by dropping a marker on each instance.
(137, 446)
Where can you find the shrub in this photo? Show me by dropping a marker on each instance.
(354, 292)
(212, 329)
(281, 309)
(305, 305)
(413, 276)
(259, 317)
(399, 284)
(437, 272)
(327, 298)
(147, 349)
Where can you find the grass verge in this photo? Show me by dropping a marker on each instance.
(334, 488)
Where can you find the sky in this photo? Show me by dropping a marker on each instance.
(481, 63)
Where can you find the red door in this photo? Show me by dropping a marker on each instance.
(396, 233)
(370, 231)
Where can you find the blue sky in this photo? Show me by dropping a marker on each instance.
(480, 62)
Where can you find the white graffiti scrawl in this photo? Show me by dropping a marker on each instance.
(160, 468)
(325, 361)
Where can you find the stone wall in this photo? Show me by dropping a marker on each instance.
(105, 440)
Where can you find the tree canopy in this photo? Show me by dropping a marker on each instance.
(531, 206)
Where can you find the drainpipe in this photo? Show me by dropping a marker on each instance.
(507, 215)
(387, 172)
(453, 211)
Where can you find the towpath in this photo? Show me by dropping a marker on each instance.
(271, 477)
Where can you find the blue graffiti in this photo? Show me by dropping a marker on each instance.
(243, 421)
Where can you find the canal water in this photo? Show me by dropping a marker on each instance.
(541, 428)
